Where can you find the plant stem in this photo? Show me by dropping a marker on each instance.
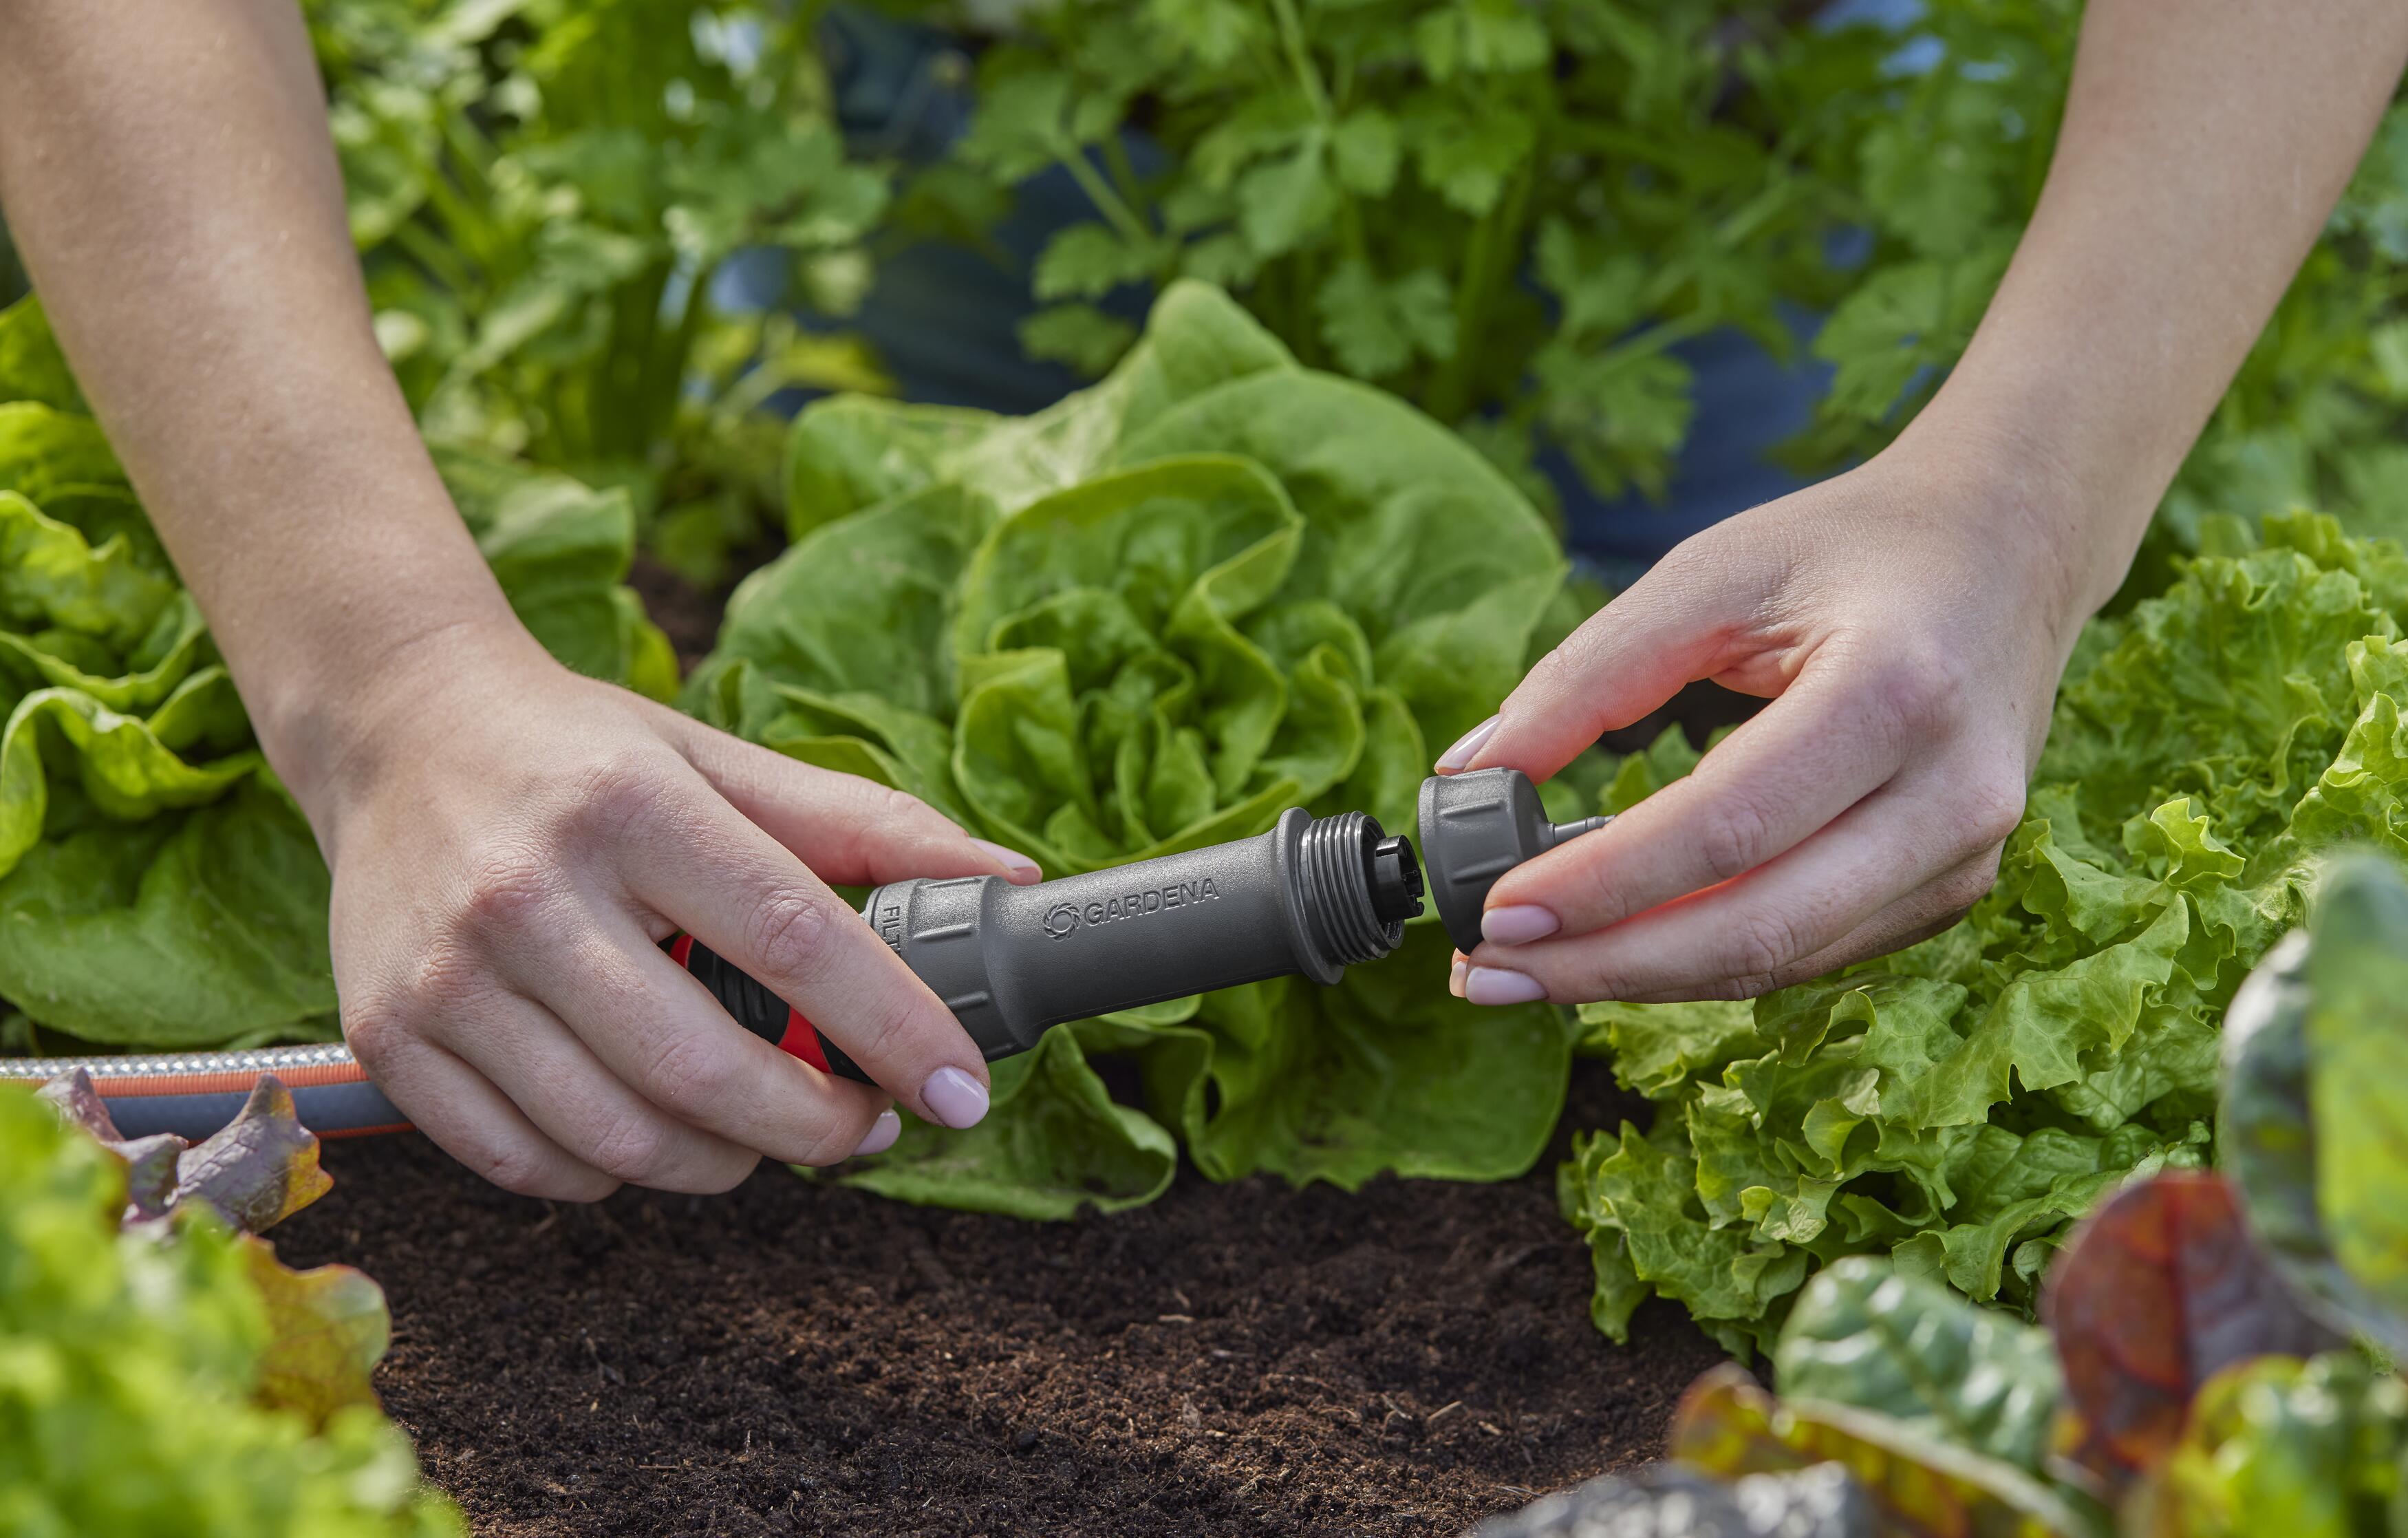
(1612, 141)
(429, 250)
(1299, 59)
(1489, 260)
(1108, 202)
(664, 387)
(1305, 336)
(1655, 338)
(1124, 178)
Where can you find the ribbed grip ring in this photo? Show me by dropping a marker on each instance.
(1334, 857)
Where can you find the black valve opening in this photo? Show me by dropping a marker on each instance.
(1396, 881)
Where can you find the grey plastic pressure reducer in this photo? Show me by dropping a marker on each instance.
(1311, 898)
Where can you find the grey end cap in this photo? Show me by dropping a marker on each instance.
(1475, 828)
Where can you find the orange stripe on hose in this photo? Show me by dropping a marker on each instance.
(142, 1085)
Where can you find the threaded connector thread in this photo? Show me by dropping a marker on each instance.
(1334, 860)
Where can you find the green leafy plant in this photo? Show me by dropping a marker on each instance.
(1946, 160)
(546, 194)
(1507, 212)
(1958, 1104)
(1215, 586)
(1949, 158)
(327, 1328)
(2194, 1379)
(157, 886)
(169, 1374)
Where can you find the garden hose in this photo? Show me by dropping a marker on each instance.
(1310, 898)
(192, 1094)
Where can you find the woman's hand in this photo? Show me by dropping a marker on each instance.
(1912, 617)
(510, 842)
(1910, 620)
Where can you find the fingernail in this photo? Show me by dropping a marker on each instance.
(1018, 868)
(1517, 923)
(882, 1133)
(1467, 745)
(1455, 977)
(1497, 985)
(957, 1100)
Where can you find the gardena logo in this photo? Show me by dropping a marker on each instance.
(1064, 917)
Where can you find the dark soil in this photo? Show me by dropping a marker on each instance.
(797, 1359)
(687, 613)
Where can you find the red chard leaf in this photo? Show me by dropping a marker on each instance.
(2157, 1292)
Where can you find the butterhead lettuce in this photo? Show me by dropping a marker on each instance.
(158, 888)
(1152, 617)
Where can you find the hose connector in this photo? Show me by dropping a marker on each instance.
(1475, 828)
(1314, 896)
(1311, 898)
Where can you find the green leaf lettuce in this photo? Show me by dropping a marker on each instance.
(1956, 1106)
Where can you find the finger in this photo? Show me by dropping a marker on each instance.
(475, 1123)
(1822, 746)
(747, 896)
(531, 1055)
(1673, 625)
(1909, 921)
(660, 1033)
(1755, 933)
(851, 830)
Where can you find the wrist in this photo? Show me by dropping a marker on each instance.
(335, 725)
(2063, 534)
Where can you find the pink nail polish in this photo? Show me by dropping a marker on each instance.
(1467, 746)
(1018, 868)
(954, 1097)
(1455, 976)
(881, 1135)
(1497, 985)
(1517, 923)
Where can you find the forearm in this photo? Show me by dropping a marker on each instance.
(2204, 144)
(169, 175)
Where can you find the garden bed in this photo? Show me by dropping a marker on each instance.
(793, 1358)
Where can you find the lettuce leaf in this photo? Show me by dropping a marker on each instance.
(169, 1374)
(158, 888)
(1152, 617)
(1957, 1105)
(2282, 1444)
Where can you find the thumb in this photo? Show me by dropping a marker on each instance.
(848, 830)
(1677, 624)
